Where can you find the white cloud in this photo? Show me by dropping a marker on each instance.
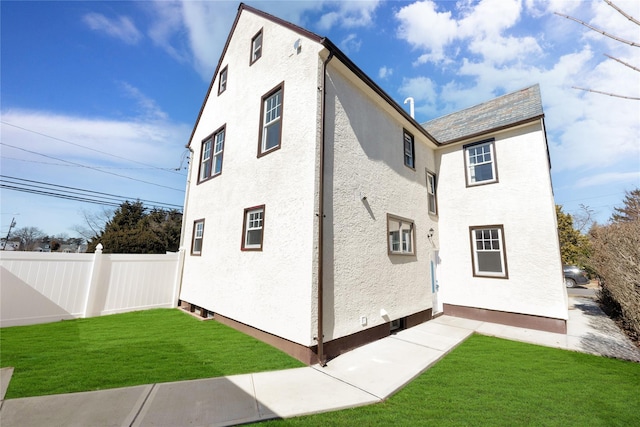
(351, 44)
(349, 14)
(385, 72)
(121, 28)
(609, 178)
(148, 107)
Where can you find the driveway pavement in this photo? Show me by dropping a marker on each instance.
(364, 376)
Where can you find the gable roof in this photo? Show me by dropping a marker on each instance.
(505, 111)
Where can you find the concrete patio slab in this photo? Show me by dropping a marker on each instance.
(304, 391)
(213, 402)
(5, 379)
(384, 366)
(446, 328)
(531, 336)
(438, 341)
(105, 408)
(459, 322)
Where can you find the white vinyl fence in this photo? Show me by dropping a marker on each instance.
(40, 287)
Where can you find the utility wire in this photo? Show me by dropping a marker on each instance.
(172, 170)
(91, 167)
(74, 166)
(29, 186)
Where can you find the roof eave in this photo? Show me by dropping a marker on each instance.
(493, 130)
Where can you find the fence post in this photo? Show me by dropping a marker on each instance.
(177, 283)
(91, 307)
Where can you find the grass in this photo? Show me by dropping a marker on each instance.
(489, 381)
(128, 349)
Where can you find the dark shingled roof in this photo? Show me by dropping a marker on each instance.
(505, 111)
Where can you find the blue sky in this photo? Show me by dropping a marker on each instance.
(102, 96)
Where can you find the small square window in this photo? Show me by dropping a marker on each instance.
(211, 158)
(488, 253)
(271, 121)
(431, 193)
(480, 163)
(252, 230)
(256, 47)
(409, 150)
(198, 235)
(222, 81)
(401, 235)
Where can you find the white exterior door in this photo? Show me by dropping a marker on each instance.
(435, 287)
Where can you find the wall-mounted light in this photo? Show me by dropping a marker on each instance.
(431, 231)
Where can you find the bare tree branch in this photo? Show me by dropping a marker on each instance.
(630, 43)
(623, 63)
(606, 93)
(621, 12)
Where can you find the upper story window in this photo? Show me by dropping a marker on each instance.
(480, 163)
(488, 253)
(431, 192)
(256, 47)
(252, 230)
(222, 80)
(271, 121)
(211, 158)
(401, 233)
(409, 150)
(198, 235)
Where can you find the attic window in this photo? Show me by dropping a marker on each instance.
(256, 47)
(222, 81)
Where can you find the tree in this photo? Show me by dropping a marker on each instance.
(28, 237)
(611, 36)
(631, 209)
(133, 230)
(574, 246)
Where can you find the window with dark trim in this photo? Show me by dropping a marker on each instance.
(256, 47)
(431, 193)
(401, 234)
(198, 235)
(271, 120)
(409, 150)
(252, 229)
(480, 163)
(211, 157)
(488, 251)
(222, 80)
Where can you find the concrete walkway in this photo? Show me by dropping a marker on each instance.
(364, 376)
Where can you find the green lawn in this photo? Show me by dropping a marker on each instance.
(488, 381)
(128, 349)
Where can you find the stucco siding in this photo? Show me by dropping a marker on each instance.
(522, 202)
(365, 160)
(269, 289)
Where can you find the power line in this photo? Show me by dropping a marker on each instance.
(88, 148)
(73, 193)
(75, 166)
(91, 167)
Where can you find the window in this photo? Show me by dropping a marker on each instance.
(271, 121)
(222, 81)
(198, 233)
(488, 251)
(252, 230)
(212, 148)
(401, 234)
(480, 162)
(256, 47)
(431, 192)
(409, 157)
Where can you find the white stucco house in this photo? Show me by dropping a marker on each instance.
(320, 215)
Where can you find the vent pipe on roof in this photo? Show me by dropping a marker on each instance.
(411, 111)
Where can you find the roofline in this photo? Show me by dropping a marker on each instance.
(241, 7)
(374, 86)
(492, 130)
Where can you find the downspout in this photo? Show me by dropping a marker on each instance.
(321, 356)
(182, 249)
